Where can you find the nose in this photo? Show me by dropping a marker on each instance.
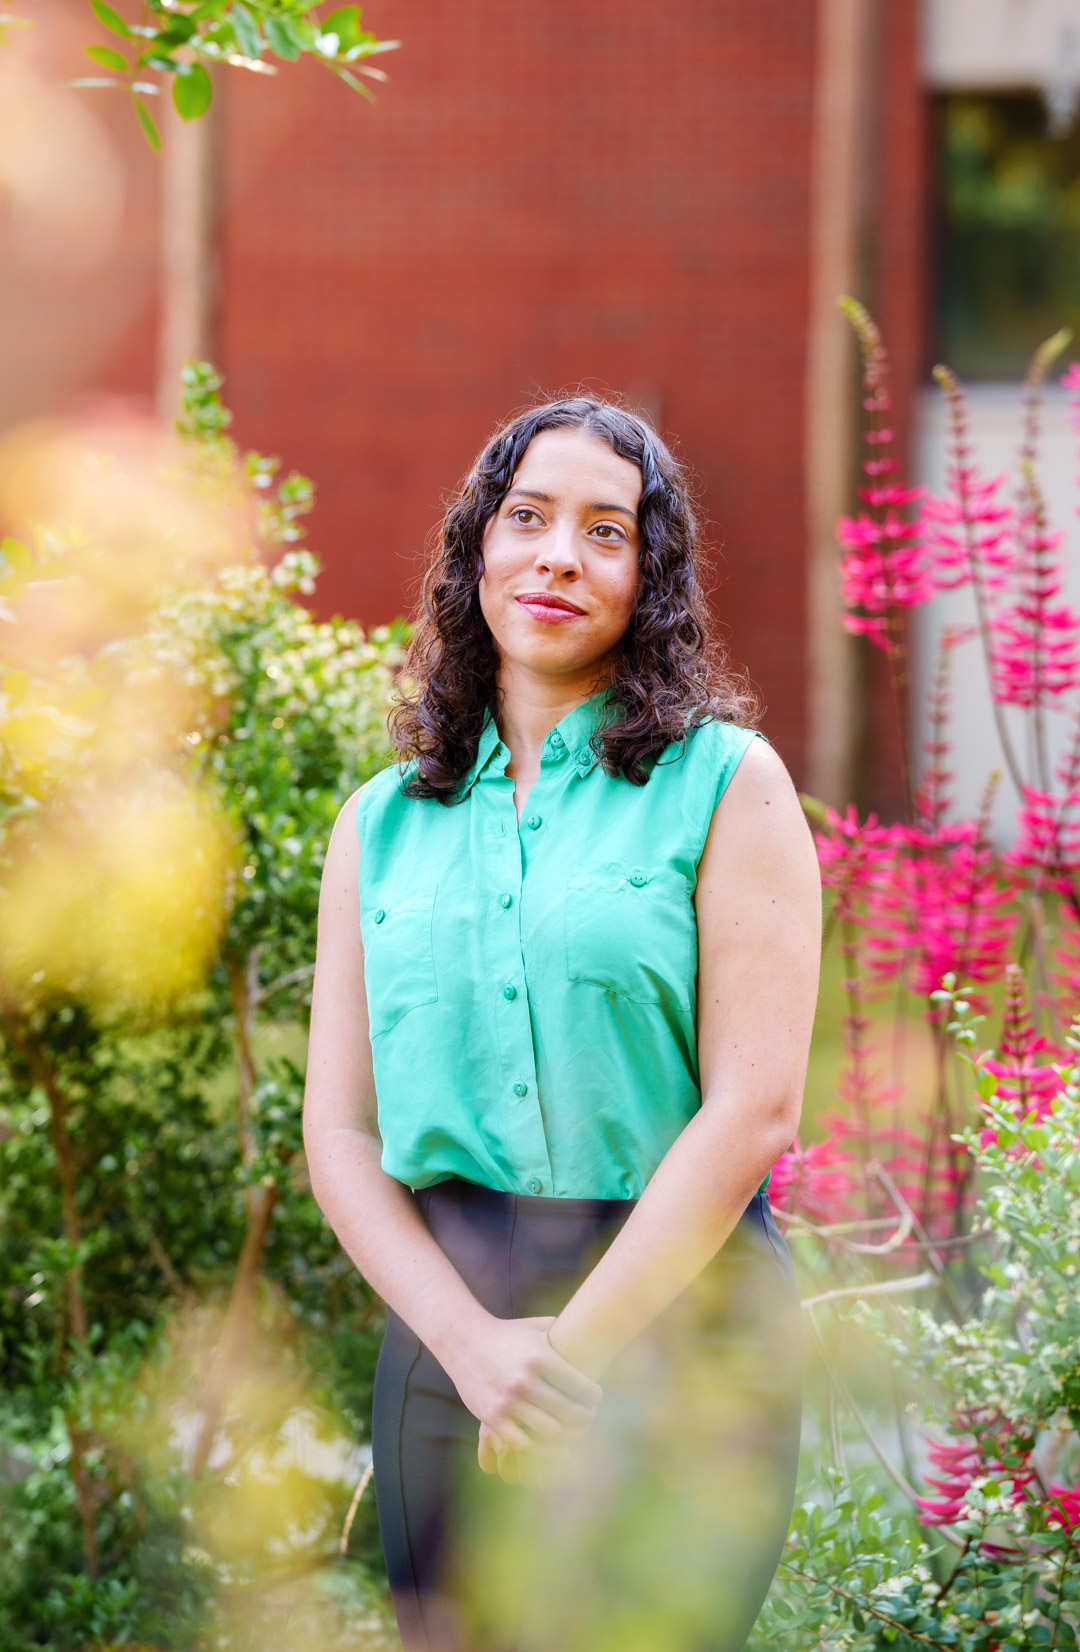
(558, 555)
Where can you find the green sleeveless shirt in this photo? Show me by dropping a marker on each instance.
(531, 987)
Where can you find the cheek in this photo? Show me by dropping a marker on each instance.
(497, 559)
(621, 594)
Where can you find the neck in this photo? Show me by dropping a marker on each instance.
(529, 706)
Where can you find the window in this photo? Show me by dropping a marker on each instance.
(1008, 241)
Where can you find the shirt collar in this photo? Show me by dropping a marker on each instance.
(489, 743)
(575, 732)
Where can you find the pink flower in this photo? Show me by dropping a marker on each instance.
(1063, 1506)
(940, 906)
(967, 1459)
(854, 855)
(932, 797)
(1048, 845)
(818, 1181)
(1036, 650)
(1029, 1083)
(1065, 970)
(884, 567)
(968, 535)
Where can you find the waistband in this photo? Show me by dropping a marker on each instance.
(456, 1190)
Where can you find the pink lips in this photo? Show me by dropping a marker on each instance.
(550, 610)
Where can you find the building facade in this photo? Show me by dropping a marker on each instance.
(658, 203)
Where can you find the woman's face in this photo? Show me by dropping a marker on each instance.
(560, 556)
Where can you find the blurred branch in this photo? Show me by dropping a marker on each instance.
(877, 1169)
(346, 1530)
(849, 1400)
(304, 973)
(885, 1287)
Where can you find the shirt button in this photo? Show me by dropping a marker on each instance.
(557, 740)
(638, 879)
(505, 900)
(520, 1088)
(510, 992)
(533, 1184)
(380, 915)
(533, 821)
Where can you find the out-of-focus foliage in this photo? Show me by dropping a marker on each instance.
(1000, 1390)
(186, 1356)
(948, 1176)
(174, 45)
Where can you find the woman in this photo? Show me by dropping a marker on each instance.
(556, 1046)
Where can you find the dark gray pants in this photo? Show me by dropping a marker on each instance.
(668, 1531)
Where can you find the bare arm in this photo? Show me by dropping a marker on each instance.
(759, 922)
(505, 1370)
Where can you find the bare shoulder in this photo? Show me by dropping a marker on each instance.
(759, 833)
(761, 794)
(343, 849)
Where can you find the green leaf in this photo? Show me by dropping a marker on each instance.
(107, 57)
(111, 19)
(281, 38)
(178, 29)
(247, 31)
(146, 121)
(192, 91)
(345, 23)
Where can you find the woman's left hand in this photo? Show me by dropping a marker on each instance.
(540, 1465)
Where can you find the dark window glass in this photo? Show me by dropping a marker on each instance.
(1008, 244)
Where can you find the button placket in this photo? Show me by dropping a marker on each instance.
(503, 862)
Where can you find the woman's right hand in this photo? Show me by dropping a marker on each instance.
(511, 1378)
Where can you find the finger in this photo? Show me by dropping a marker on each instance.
(508, 1464)
(511, 1435)
(567, 1412)
(486, 1453)
(541, 1425)
(569, 1380)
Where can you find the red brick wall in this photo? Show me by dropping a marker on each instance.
(607, 193)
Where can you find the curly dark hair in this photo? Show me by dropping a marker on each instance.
(670, 675)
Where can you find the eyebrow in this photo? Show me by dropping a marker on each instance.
(549, 499)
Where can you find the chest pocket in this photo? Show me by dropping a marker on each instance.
(399, 958)
(632, 931)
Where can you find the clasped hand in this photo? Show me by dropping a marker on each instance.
(532, 1404)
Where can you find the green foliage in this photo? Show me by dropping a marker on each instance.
(148, 1157)
(178, 44)
(856, 1577)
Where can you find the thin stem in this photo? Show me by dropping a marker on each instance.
(954, 1574)
(868, 1610)
(881, 1287)
(931, 1253)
